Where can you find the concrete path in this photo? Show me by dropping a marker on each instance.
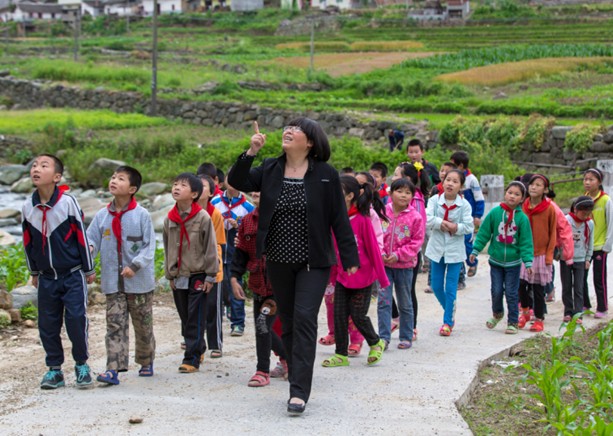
(410, 392)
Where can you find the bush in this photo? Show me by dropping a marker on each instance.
(29, 311)
(580, 138)
(13, 268)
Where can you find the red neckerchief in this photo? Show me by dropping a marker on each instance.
(600, 194)
(353, 210)
(116, 224)
(45, 207)
(541, 207)
(440, 188)
(586, 229)
(228, 213)
(383, 191)
(210, 208)
(217, 191)
(447, 209)
(175, 216)
(511, 213)
(467, 172)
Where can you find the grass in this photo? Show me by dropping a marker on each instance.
(35, 121)
(511, 72)
(361, 46)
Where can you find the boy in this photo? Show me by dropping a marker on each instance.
(214, 310)
(233, 206)
(396, 139)
(209, 169)
(60, 263)
(378, 171)
(473, 194)
(190, 264)
(123, 234)
(415, 152)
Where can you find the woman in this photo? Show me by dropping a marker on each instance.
(301, 205)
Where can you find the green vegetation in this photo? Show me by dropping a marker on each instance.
(29, 311)
(560, 386)
(13, 268)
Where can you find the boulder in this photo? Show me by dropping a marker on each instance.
(153, 188)
(6, 239)
(158, 217)
(559, 132)
(15, 315)
(23, 186)
(29, 323)
(106, 164)
(6, 301)
(10, 213)
(9, 174)
(162, 201)
(23, 295)
(90, 206)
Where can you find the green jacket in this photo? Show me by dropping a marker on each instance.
(506, 250)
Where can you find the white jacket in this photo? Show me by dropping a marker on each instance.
(442, 244)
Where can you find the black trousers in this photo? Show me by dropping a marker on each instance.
(526, 292)
(573, 278)
(214, 317)
(298, 292)
(265, 342)
(599, 265)
(354, 302)
(191, 306)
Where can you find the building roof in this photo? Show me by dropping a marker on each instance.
(45, 8)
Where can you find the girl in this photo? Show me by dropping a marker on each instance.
(603, 240)
(403, 238)
(449, 219)
(507, 229)
(352, 293)
(573, 275)
(542, 217)
(415, 173)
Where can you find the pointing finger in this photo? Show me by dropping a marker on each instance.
(256, 128)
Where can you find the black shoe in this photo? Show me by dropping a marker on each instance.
(84, 378)
(53, 379)
(295, 409)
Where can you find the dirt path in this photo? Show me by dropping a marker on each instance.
(409, 392)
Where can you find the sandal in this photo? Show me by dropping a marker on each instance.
(376, 352)
(216, 354)
(354, 350)
(405, 345)
(445, 330)
(395, 326)
(146, 371)
(492, 322)
(259, 379)
(335, 361)
(109, 377)
(183, 346)
(280, 371)
(327, 340)
(511, 329)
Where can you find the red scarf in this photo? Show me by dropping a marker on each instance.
(600, 194)
(116, 224)
(440, 188)
(447, 209)
(510, 213)
(541, 207)
(353, 210)
(217, 191)
(44, 208)
(228, 214)
(383, 191)
(586, 229)
(210, 208)
(175, 216)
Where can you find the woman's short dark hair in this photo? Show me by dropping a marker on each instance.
(320, 149)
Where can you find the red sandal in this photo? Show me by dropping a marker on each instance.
(259, 379)
(327, 340)
(354, 350)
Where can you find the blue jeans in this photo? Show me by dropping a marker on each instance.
(445, 286)
(468, 244)
(401, 279)
(505, 282)
(237, 307)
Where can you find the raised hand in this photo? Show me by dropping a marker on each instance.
(257, 140)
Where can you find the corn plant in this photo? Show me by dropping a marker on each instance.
(13, 268)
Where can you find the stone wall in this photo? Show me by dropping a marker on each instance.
(32, 94)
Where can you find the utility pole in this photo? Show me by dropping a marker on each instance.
(154, 60)
(312, 63)
(125, 10)
(77, 31)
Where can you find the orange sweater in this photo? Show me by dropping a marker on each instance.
(544, 234)
(220, 234)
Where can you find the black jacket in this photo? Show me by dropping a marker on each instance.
(326, 211)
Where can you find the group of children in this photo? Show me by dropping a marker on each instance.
(209, 243)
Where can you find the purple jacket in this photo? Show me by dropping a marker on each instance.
(403, 236)
(371, 263)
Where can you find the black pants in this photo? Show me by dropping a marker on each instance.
(63, 301)
(354, 302)
(573, 279)
(299, 293)
(599, 265)
(265, 342)
(214, 317)
(191, 305)
(526, 292)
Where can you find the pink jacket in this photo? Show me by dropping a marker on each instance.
(403, 236)
(376, 225)
(564, 234)
(419, 204)
(371, 263)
